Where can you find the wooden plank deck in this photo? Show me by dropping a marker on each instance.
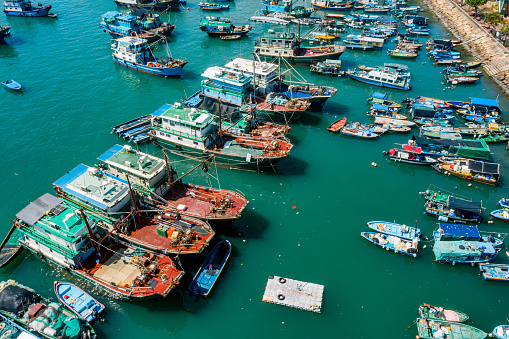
(294, 293)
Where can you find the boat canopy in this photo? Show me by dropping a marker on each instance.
(462, 231)
(378, 95)
(483, 167)
(464, 205)
(111, 152)
(467, 148)
(38, 209)
(461, 250)
(380, 107)
(484, 102)
(423, 110)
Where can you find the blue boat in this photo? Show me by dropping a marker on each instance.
(12, 85)
(501, 331)
(211, 268)
(391, 228)
(80, 302)
(149, 27)
(359, 130)
(504, 203)
(212, 7)
(464, 252)
(392, 243)
(454, 232)
(14, 330)
(498, 272)
(216, 27)
(502, 215)
(24, 8)
(135, 53)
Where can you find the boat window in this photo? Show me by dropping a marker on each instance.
(172, 123)
(179, 138)
(195, 142)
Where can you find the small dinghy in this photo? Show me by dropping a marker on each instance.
(444, 329)
(359, 130)
(392, 243)
(80, 302)
(458, 104)
(12, 85)
(211, 268)
(501, 331)
(391, 228)
(230, 37)
(498, 272)
(10, 246)
(336, 126)
(427, 311)
(502, 215)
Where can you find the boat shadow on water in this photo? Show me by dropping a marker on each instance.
(290, 166)
(245, 227)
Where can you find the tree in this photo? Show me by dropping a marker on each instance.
(476, 3)
(494, 18)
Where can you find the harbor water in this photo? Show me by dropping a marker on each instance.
(303, 220)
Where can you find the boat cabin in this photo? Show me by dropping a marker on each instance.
(226, 84)
(277, 44)
(265, 73)
(281, 6)
(484, 106)
(132, 49)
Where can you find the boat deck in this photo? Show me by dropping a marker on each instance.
(112, 268)
(294, 293)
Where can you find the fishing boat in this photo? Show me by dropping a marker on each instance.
(392, 243)
(157, 186)
(502, 215)
(358, 130)
(135, 53)
(4, 31)
(464, 252)
(285, 6)
(493, 137)
(25, 314)
(432, 329)
(377, 97)
(426, 112)
(279, 107)
(25, 8)
(397, 128)
(430, 312)
(216, 27)
(453, 232)
(209, 272)
(448, 61)
(212, 7)
(497, 272)
(360, 41)
(454, 209)
(196, 134)
(381, 78)
(70, 239)
(269, 20)
(156, 5)
(230, 37)
(479, 171)
(401, 53)
(501, 331)
(332, 5)
(328, 67)
(398, 230)
(337, 125)
(504, 203)
(394, 122)
(149, 26)
(10, 247)
(12, 85)
(376, 9)
(458, 104)
(384, 111)
(455, 80)
(80, 302)
(411, 155)
(287, 46)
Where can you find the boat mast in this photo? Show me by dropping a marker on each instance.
(279, 64)
(254, 89)
(220, 124)
(89, 230)
(170, 179)
(135, 207)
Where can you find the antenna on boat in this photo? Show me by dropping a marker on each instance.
(220, 127)
(135, 207)
(89, 230)
(169, 173)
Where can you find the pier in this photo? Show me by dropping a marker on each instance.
(294, 293)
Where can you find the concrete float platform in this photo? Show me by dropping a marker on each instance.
(293, 293)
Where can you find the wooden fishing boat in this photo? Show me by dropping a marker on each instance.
(230, 37)
(391, 228)
(432, 329)
(410, 155)
(460, 79)
(454, 232)
(399, 129)
(493, 137)
(473, 64)
(392, 243)
(501, 331)
(448, 61)
(337, 125)
(502, 215)
(209, 272)
(499, 272)
(394, 122)
(212, 7)
(458, 104)
(377, 97)
(359, 131)
(464, 252)
(80, 302)
(12, 85)
(10, 246)
(398, 53)
(384, 111)
(427, 311)
(483, 172)
(279, 107)
(39, 316)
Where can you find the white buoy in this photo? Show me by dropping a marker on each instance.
(374, 164)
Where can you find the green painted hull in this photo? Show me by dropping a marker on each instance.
(427, 328)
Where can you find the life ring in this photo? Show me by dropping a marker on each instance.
(469, 177)
(282, 280)
(281, 297)
(276, 44)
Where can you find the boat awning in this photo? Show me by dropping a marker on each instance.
(109, 153)
(483, 102)
(160, 111)
(381, 107)
(483, 167)
(37, 209)
(470, 231)
(111, 15)
(463, 143)
(378, 95)
(464, 205)
(412, 149)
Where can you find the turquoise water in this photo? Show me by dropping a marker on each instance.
(74, 93)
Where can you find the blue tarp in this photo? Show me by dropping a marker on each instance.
(111, 15)
(109, 153)
(468, 231)
(483, 102)
(161, 110)
(381, 107)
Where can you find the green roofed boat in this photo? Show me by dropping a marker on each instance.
(464, 252)
(444, 329)
(431, 312)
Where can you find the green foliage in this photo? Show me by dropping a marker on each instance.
(494, 18)
(476, 3)
(505, 29)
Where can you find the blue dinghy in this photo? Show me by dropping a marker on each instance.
(504, 203)
(397, 230)
(80, 302)
(501, 331)
(211, 268)
(498, 272)
(392, 243)
(463, 232)
(12, 85)
(502, 215)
